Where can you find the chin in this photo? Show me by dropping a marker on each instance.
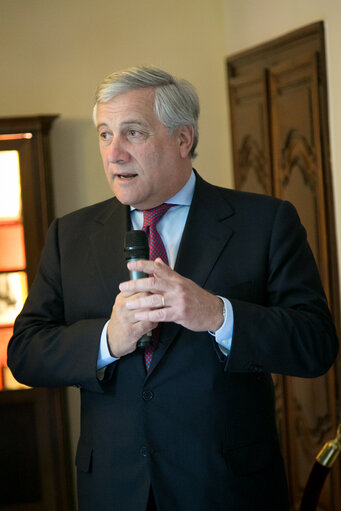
(127, 200)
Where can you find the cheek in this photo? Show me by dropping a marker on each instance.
(151, 161)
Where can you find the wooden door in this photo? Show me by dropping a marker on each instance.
(287, 106)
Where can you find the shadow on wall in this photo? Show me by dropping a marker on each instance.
(77, 172)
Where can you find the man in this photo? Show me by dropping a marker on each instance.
(189, 423)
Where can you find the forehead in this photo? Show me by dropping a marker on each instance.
(135, 105)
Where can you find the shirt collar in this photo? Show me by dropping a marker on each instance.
(184, 196)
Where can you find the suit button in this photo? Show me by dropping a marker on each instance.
(147, 395)
(144, 451)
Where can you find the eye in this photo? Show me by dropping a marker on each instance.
(104, 135)
(133, 133)
(136, 136)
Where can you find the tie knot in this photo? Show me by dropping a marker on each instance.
(152, 216)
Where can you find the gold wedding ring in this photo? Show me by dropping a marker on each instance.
(163, 300)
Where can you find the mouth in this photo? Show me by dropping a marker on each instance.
(125, 176)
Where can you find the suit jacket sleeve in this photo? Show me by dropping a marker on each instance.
(289, 329)
(47, 349)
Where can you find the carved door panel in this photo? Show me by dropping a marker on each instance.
(298, 177)
(253, 171)
(249, 115)
(280, 147)
(297, 159)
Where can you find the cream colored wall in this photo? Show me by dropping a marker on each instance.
(251, 22)
(53, 54)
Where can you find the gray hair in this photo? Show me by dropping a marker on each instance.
(176, 101)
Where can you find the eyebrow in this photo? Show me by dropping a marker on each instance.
(125, 123)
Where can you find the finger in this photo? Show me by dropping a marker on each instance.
(153, 301)
(157, 267)
(130, 294)
(134, 295)
(142, 327)
(120, 309)
(161, 280)
(155, 315)
(147, 285)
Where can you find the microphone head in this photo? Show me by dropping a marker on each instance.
(136, 245)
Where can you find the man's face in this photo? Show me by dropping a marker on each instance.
(144, 165)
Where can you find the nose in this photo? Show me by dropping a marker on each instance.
(117, 152)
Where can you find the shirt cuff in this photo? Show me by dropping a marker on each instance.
(104, 358)
(223, 336)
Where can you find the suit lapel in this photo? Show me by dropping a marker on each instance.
(107, 241)
(206, 234)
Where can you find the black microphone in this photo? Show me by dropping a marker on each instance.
(136, 247)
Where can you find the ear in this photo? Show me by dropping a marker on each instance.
(185, 138)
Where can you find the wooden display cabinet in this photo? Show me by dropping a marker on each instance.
(35, 472)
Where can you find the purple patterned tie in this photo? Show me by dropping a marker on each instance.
(156, 249)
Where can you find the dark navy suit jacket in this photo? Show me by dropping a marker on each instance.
(199, 427)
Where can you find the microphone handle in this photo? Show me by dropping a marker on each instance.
(146, 339)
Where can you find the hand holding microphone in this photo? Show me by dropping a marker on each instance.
(136, 247)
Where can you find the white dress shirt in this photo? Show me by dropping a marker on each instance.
(170, 228)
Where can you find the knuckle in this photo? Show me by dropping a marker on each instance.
(154, 300)
(152, 282)
(179, 288)
(160, 314)
(181, 302)
(137, 264)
